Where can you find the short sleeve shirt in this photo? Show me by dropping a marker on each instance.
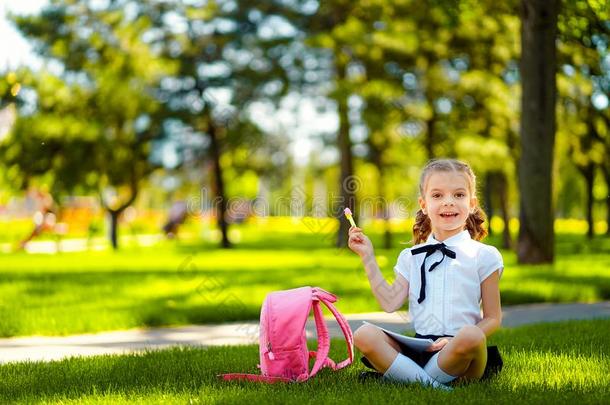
(453, 288)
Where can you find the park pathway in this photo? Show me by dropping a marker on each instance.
(119, 342)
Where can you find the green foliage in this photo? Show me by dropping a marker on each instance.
(583, 75)
(424, 82)
(79, 126)
(218, 48)
(439, 80)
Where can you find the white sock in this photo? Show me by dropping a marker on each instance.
(433, 370)
(406, 370)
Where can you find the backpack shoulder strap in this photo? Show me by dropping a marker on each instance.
(323, 338)
(328, 298)
(253, 377)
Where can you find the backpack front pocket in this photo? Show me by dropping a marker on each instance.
(288, 363)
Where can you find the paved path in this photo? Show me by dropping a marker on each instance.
(55, 348)
(81, 244)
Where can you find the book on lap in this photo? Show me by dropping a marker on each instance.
(417, 344)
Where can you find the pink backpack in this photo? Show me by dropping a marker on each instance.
(284, 355)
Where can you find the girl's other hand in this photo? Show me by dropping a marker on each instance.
(359, 242)
(438, 345)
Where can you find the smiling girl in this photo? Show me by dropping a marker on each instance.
(448, 277)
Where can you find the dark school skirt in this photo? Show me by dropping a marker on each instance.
(493, 366)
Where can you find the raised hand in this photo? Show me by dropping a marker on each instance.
(359, 242)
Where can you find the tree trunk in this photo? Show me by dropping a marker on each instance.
(430, 136)
(115, 213)
(349, 184)
(221, 200)
(489, 190)
(387, 234)
(503, 194)
(589, 175)
(606, 171)
(538, 64)
(608, 214)
(608, 209)
(114, 228)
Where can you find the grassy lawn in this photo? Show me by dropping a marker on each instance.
(565, 362)
(183, 283)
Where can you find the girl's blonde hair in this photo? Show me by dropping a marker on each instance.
(474, 224)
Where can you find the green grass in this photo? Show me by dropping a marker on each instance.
(565, 362)
(184, 283)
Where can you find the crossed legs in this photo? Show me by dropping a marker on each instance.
(465, 355)
(376, 346)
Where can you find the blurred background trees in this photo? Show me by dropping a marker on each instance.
(325, 104)
(88, 120)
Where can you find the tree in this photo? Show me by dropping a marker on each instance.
(325, 31)
(373, 46)
(431, 75)
(538, 65)
(154, 68)
(221, 47)
(605, 133)
(90, 126)
(584, 38)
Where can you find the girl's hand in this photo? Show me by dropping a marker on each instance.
(359, 242)
(438, 345)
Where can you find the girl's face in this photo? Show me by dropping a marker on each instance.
(447, 202)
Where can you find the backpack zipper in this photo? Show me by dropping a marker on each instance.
(270, 354)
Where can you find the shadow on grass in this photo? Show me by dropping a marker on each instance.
(515, 297)
(130, 299)
(132, 289)
(160, 312)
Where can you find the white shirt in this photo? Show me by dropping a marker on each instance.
(453, 288)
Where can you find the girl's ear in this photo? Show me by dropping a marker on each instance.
(474, 202)
(422, 204)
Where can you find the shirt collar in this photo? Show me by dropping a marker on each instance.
(452, 241)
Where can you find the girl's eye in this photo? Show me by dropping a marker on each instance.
(436, 195)
(460, 195)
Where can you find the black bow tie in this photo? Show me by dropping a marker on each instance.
(429, 250)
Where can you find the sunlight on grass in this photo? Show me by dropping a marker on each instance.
(543, 363)
(548, 291)
(557, 371)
